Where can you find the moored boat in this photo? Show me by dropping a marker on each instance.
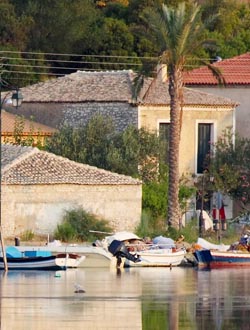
(158, 258)
(222, 259)
(38, 263)
(134, 252)
(235, 255)
(38, 260)
(92, 256)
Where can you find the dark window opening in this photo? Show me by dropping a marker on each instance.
(204, 146)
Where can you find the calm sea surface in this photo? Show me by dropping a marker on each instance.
(146, 298)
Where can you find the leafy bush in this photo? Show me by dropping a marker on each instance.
(150, 226)
(28, 235)
(76, 226)
(65, 232)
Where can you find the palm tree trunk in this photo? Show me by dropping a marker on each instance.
(175, 92)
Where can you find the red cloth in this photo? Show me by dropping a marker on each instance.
(222, 215)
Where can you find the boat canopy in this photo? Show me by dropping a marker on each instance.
(122, 236)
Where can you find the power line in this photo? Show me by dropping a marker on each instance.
(65, 68)
(83, 65)
(35, 73)
(46, 60)
(77, 55)
(94, 56)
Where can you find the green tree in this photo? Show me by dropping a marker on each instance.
(85, 144)
(230, 167)
(117, 40)
(57, 25)
(132, 152)
(230, 28)
(81, 27)
(97, 141)
(180, 33)
(14, 29)
(135, 152)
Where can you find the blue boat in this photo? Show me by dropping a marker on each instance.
(36, 260)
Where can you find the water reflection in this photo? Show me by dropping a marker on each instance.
(146, 298)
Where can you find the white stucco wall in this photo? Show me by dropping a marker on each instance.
(40, 208)
(240, 95)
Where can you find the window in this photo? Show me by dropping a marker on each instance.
(204, 146)
(164, 132)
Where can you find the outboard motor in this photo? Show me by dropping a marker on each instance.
(119, 250)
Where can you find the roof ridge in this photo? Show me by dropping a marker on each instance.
(43, 167)
(87, 166)
(20, 158)
(104, 71)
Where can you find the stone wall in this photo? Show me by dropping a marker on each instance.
(40, 208)
(122, 114)
(75, 114)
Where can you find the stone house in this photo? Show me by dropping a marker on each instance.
(236, 72)
(38, 187)
(73, 99)
(13, 125)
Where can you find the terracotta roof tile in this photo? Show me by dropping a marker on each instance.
(27, 165)
(236, 71)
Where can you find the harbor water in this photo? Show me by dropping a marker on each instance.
(141, 298)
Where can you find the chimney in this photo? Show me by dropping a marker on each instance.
(162, 72)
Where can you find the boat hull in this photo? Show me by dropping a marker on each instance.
(95, 257)
(158, 258)
(35, 263)
(222, 259)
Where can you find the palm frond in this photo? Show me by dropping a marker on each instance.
(216, 73)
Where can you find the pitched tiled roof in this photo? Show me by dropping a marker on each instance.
(12, 152)
(111, 86)
(236, 71)
(9, 121)
(27, 165)
(82, 86)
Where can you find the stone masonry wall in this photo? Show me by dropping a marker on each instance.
(122, 114)
(75, 114)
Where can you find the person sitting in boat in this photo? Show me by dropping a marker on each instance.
(244, 243)
(244, 240)
(135, 245)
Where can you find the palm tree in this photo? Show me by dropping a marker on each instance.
(180, 32)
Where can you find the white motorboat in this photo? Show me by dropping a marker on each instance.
(134, 252)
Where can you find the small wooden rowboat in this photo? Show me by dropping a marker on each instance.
(39, 260)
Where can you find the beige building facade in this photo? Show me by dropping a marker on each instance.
(220, 118)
